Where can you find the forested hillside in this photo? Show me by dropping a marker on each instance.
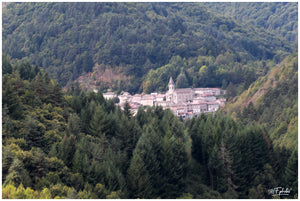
(79, 145)
(272, 101)
(276, 17)
(143, 42)
(73, 143)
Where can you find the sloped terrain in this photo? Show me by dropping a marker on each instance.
(68, 39)
(272, 101)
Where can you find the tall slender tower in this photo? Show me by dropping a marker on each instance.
(171, 85)
(171, 90)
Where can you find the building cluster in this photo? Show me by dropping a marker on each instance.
(185, 102)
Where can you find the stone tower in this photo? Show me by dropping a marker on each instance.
(171, 85)
(171, 90)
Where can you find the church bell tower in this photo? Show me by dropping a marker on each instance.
(171, 90)
(171, 85)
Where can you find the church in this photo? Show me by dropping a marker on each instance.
(179, 95)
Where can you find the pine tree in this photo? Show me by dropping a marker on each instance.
(77, 160)
(74, 124)
(34, 132)
(11, 99)
(56, 97)
(38, 165)
(149, 146)
(251, 153)
(141, 117)
(17, 174)
(138, 178)
(108, 173)
(7, 160)
(173, 167)
(6, 66)
(99, 124)
(127, 110)
(216, 169)
(291, 173)
(262, 183)
(67, 149)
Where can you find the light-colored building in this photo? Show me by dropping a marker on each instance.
(136, 98)
(212, 106)
(125, 97)
(199, 107)
(147, 100)
(160, 97)
(164, 104)
(214, 91)
(208, 97)
(109, 95)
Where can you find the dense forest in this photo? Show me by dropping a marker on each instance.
(149, 42)
(60, 141)
(278, 18)
(272, 101)
(79, 145)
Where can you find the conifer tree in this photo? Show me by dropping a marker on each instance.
(127, 110)
(141, 117)
(99, 124)
(67, 149)
(74, 124)
(17, 174)
(138, 178)
(291, 172)
(173, 167)
(6, 66)
(216, 169)
(34, 132)
(56, 97)
(11, 99)
(77, 160)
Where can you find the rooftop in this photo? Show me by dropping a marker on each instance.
(171, 81)
(109, 93)
(184, 90)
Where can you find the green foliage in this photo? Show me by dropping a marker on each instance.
(100, 191)
(230, 91)
(181, 81)
(67, 149)
(6, 66)
(230, 154)
(17, 174)
(69, 39)
(279, 18)
(82, 146)
(273, 102)
(158, 166)
(11, 192)
(138, 178)
(127, 110)
(291, 173)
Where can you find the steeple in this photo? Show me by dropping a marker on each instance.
(171, 85)
(171, 81)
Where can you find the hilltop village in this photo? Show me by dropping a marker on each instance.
(184, 102)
